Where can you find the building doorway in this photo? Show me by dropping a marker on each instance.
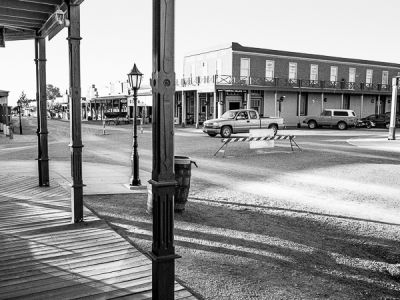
(234, 105)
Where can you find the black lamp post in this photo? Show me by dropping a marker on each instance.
(135, 78)
(19, 113)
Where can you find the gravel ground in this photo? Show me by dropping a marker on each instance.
(232, 250)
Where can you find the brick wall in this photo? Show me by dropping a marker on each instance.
(257, 68)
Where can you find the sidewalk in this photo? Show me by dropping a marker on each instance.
(98, 178)
(379, 143)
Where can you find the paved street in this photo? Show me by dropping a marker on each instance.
(268, 223)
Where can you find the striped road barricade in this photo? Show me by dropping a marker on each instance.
(227, 141)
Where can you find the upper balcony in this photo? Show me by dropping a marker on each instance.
(281, 83)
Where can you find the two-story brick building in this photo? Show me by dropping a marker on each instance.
(234, 76)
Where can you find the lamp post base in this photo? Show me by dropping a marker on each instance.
(392, 133)
(135, 182)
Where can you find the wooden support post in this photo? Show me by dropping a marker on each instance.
(393, 110)
(322, 102)
(163, 178)
(221, 103)
(248, 100)
(342, 101)
(38, 110)
(215, 104)
(197, 110)
(298, 109)
(44, 158)
(379, 105)
(362, 106)
(184, 109)
(207, 105)
(75, 106)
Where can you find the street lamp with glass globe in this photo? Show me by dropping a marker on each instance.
(135, 79)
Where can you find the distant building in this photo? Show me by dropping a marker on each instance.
(5, 111)
(116, 97)
(234, 76)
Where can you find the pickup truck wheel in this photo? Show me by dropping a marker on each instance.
(274, 128)
(226, 131)
(342, 125)
(212, 134)
(312, 124)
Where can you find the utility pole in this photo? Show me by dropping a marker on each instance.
(393, 115)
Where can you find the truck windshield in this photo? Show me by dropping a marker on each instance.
(228, 115)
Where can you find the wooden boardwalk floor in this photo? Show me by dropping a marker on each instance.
(44, 256)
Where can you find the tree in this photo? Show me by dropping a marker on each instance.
(52, 92)
(24, 100)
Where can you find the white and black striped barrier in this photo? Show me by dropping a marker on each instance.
(226, 141)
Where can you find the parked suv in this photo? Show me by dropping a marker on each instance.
(381, 120)
(340, 118)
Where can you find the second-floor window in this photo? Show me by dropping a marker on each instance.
(334, 73)
(292, 71)
(269, 69)
(352, 74)
(368, 78)
(244, 68)
(314, 72)
(385, 77)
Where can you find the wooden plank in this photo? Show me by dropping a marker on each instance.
(59, 249)
(53, 253)
(70, 279)
(24, 14)
(34, 278)
(84, 288)
(9, 244)
(27, 6)
(101, 261)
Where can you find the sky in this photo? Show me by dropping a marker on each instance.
(116, 34)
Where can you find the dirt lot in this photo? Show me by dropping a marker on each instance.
(232, 250)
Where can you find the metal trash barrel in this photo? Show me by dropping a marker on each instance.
(183, 172)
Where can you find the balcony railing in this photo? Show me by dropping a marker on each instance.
(281, 83)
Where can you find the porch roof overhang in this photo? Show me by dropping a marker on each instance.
(3, 93)
(27, 19)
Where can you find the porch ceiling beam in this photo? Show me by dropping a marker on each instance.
(19, 24)
(46, 2)
(28, 22)
(21, 27)
(20, 36)
(10, 12)
(27, 6)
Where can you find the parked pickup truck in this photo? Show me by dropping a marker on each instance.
(240, 121)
